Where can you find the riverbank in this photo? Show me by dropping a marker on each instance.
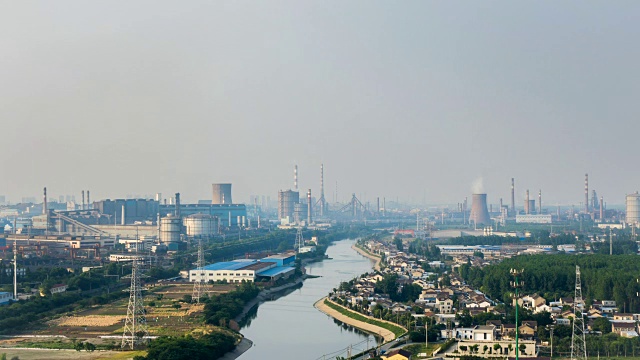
(369, 255)
(265, 294)
(387, 335)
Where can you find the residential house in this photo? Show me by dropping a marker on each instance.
(623, 316)
(620, 326)
(444, 304)
(399, 354)
(5, 297)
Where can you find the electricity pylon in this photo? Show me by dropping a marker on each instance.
(200, 287)
(299, 239)
(135, 327)
(578, 343)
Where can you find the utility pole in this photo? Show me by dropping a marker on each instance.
(15, 269)
(516, 285)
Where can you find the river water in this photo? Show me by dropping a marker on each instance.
(289, 327)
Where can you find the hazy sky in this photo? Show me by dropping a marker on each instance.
(399, 99)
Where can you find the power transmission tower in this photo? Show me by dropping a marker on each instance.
(135, 326)
(578, 343)
(299, 240)
(200, 286)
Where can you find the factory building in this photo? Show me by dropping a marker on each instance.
(287, 201)
(135, 210)
(221, 194)
(237, 271)
(226, 213)
(534, 219)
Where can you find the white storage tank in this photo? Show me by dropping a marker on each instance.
(201, 225)
(633, 208)
(170, 227)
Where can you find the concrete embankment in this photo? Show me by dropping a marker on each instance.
(264, 294)
(388, 335)
(368, 255)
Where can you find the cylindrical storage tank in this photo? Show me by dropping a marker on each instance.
(299, 212)
(286, 203)
(221, 194)
(200, 225)
(170, 227)
(479, 212)
(633, 208)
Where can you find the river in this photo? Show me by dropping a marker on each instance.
(289, 327)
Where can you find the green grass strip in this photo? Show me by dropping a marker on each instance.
(396, 330)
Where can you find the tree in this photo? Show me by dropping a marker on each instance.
(397, 241)
(522, 347)
(484, 349)
(89, 347)
(497, 347)
(602, 324)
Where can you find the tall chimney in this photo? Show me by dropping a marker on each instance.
(177, 212)
(526, 204)
(82, 207)
(309, 207)
(44, 202)
(540, 201)
(378, 206)
(601, 209)
(122, 221)
(88, 200)
(586, 193)
(322, 200)
(295, 178)
(513, 197)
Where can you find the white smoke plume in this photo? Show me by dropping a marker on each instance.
(477, 187)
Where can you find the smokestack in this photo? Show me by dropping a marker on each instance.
(601, 209)
(122, 220)
(177, 205)
(44, 202)
(82, 207)
(322, 200)
(594, 200)
(378, 206)
(540, 201)
(88, 200)
(295, 178)
(526, 204)
(500, 204)
(384, 206)
(309, 207)
(513, 197)
(479, 213)
(586, 193)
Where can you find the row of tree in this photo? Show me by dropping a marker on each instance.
(553, 276)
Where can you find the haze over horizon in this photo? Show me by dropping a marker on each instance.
(414, 100)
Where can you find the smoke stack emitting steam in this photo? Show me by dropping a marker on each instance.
(479, 213)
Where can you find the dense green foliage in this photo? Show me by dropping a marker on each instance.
(425, 248)
(212, 346)
(389, 285)
(603, 277)
(218, 310)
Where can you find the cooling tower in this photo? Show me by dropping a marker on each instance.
(221, 194)
(479, 213)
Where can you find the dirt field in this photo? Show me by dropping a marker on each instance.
(166, 315)
(29, 354)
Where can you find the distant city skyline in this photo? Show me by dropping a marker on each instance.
(413, 101)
